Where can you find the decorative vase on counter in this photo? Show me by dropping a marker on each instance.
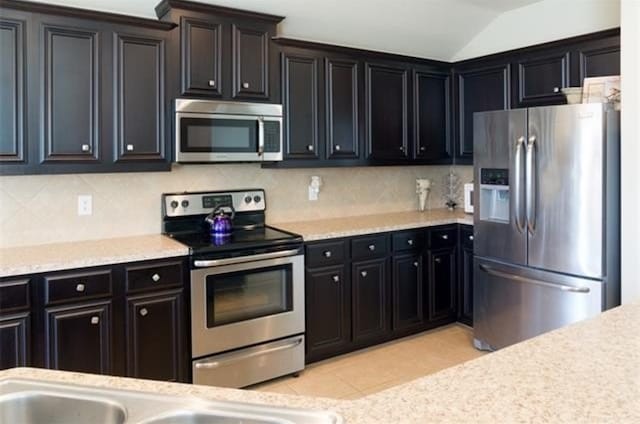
(423, 189)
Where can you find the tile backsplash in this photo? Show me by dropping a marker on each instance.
(40, 209)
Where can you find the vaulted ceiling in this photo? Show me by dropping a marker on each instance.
(444, 27)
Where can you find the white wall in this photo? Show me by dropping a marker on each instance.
(541, 22)
(630, 150)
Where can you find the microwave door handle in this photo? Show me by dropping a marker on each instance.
(260, 136)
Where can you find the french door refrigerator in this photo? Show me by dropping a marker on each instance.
(547, 221)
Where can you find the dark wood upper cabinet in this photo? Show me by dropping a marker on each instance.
(479, 89)
(408, 291)
(201, 56)
(432, 116)
(599, 58)
(342, 108)
(386, 112)
(70, 98)
(12, 100)
(250, 62)
(370, 300)
(540, 79)
(300, 106)
(139, 92)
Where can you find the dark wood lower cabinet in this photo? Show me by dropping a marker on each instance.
(155, 336)
(407, 295)
(78, 337)
(465, 276)
(15, 346)
(442, 282)
(370, 300)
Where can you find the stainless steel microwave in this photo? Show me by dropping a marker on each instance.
(218, 131)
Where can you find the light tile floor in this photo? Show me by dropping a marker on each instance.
(380, 367)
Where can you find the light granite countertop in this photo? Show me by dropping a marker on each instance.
(69, 255)
(585, 373)
(321, 229)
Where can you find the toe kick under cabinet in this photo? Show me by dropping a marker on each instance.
(124, 319)
(366, 290)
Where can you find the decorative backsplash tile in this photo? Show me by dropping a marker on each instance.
(39, 209)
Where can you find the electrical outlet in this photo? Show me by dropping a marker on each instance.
(85, 206)
(313, 194)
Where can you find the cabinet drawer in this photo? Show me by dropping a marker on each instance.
(152, 276)
(14, 295)
(466, 236)
(326, 253)
(443, 237)
(77, 286)
(369, 247)
(408, 240)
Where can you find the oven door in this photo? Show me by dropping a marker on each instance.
(243, 304)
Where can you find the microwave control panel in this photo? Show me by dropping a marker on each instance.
(272, 136)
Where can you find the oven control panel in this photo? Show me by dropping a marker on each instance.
(198, 203)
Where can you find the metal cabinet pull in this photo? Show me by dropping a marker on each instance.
(410, 242)
(445, 237)
(337, 147)
(310, 147)
(423, 148)
(327, 254)
(95, 320)
(85, 148)
(363, 273)
(402, 148)
(556, 89)
(471, 238)
(437, 260)
(129, 147)
(372, 247)
(155, 278)
(416, 264)
(245, 85)
(80, 287)
(336, 279)
(144, 312)
(212, 83)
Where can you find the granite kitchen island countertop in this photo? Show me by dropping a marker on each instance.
(23, 260)
(320, 229)
(585, 373)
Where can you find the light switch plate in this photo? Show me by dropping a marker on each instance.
(85, 204)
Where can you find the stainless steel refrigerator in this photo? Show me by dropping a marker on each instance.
(547, 221)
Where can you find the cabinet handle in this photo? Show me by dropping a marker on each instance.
(310, 147)
(80, 287)
(372, 247)
(337, 147)
(212, 83)
(95, 320)
(129, 147)
(556, 89)
(416, 264)
(245, 85)
(363, 273)
(410, 242)
(445, 237)
(144, 312)
(471, 238)
(402, 148)
(423, 148)
(155, 278)
(327, 254)
(437, 260)
(336, 279)
(85, 148)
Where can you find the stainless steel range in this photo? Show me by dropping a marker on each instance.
(247, 289)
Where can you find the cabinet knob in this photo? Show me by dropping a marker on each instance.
(410, 242)
(437, 260)
(445, 237)
(245, 85)
(80, 287)
(556, 89)
(402, 148)
(95, 320)
(129, 147)
(336, 279)
(144, 312)
(155, 278)
(423, 148)
(337, 147)
(327, 254)
(416, 264)
(372, 247)
(310, 147)
(212, 83)
(363, 273)
(85, 148)
(471, 238)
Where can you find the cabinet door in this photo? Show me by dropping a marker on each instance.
(442, 283)
(599, 58)
(465, 295)
(370, 300)
(342, 120)
(12, 74)
(481, 89)
(386, 112)
(250, 63)
(408, 292)
(139, 98)
(156, 337)
(328, 312)
(15, 346)
(300, 102)
(201, 51)
(432, 117)
(79, 338)
(541, 78)
(71, 94)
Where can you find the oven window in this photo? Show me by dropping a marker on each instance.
(216, 135)
(248, 294)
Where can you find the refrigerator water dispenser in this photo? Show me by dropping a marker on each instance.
(494, 195)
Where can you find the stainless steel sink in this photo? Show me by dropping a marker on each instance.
(33, 402)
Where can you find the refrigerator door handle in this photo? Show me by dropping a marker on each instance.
(517, 169)
(562, 287)
(531, 185)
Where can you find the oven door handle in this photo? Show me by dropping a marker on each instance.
(243, 259)
(217, 364)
